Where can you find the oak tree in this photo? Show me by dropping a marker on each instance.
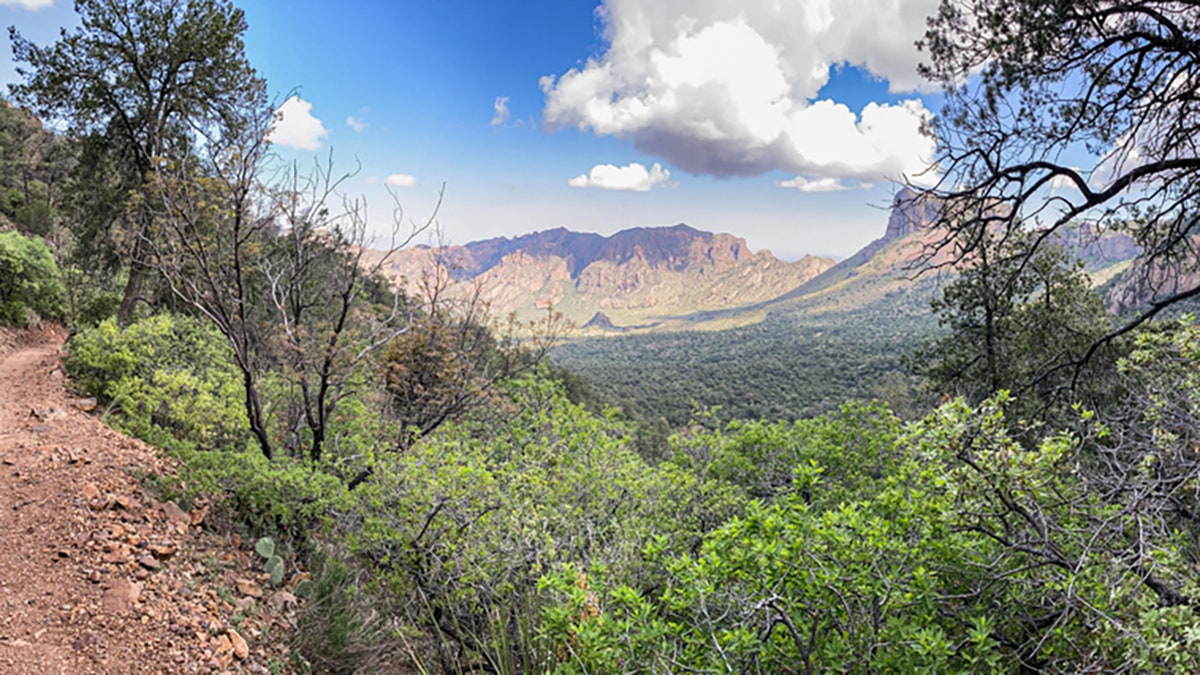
(1068, 112)
(137, 81)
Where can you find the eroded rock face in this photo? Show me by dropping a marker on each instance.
(659, 270)
(910, 214)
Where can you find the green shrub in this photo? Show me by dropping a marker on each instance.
(855, 445)
(456, 531)
(96, 308)
(170, 378)
(950, 563)
(29, 280)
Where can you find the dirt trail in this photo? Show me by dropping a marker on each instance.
(95, 575)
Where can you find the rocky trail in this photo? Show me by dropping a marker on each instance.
(96, 575)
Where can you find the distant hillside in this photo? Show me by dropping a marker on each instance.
(636, 277)
(840, 335)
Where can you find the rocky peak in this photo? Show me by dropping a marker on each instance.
(676, 247)
(911, 213)
(600, 320)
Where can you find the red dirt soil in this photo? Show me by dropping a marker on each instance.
(96, 576)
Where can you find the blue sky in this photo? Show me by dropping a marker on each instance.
(779, 122)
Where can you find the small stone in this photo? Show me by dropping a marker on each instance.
(149, 562)
(281, 599)
(249, 588)
(85, 404)
(175, 514)
(240, 649)
(90, 491)
(162, 551)
(223, 645)
(128, 503)
(198, 515)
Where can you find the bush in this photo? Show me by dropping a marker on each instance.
(949, 563)
(169, 380)
(457, 530)
(170, 377)
(29, 280)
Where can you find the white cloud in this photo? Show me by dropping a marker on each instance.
(32, 5)
(1060, 182)
(372, 180)
(733, 88)
(400, 180)
(356, 124)
(631, 177)
(295, 126)
(502, 113)
(803, 184)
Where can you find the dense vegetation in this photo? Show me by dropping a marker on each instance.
(794, 364)
(30, 283)
(460, 512)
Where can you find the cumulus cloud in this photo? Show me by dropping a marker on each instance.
(803, 184)
(295, 126)
(32, 5)
(400, 180)
(732, 89)
(632, 177)
(356, 124)
(502, 113)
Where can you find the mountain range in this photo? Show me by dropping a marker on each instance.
(671, 278)
(635, 278)
(670, 319)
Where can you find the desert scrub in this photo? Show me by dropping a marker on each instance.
(457, 530)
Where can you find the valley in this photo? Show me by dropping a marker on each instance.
(671, 322)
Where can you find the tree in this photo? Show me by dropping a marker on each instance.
(331, 309)
(34, 163)
(454, 355)
(1019, 320)
(207, 226)
(1071, 111)
(137, 81)
(279, 270)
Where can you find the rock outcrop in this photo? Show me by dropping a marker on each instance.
(634, 276)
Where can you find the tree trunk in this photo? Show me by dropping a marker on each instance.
(138, 274)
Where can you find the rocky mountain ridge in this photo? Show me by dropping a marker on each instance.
(634, 277)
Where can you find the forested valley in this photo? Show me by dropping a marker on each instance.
(995, 470)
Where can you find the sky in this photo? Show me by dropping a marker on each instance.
(787, 123)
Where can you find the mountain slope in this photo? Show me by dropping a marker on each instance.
(636, 277)
(838, 336)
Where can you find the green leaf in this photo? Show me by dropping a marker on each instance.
(265, 547)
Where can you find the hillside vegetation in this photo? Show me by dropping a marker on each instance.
(461, 505)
